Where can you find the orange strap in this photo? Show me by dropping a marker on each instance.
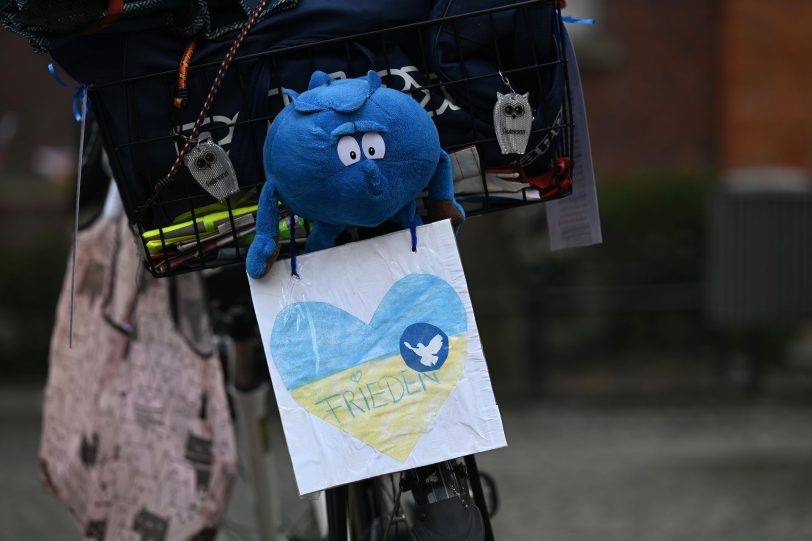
(181, 94)
(114, 10)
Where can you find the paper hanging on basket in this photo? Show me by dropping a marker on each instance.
(375, 358)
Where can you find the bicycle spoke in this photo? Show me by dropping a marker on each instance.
(395, 510)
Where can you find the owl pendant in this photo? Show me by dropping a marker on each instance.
(212, 169)
(512, 121)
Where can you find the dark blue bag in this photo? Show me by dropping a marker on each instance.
(49, 24)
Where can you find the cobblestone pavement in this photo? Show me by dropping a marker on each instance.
(655, 475)
(719, 473)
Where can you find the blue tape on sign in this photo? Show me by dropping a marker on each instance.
(573, 20)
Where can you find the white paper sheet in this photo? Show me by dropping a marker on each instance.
(379, 367)
(575, 220)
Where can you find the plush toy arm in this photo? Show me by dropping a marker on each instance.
(441, 185)
(322, 236)
(265, 247)
(441, 203)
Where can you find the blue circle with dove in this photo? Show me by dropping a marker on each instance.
(424, 347)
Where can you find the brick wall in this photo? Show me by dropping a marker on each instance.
(767, 83)
(654, 104)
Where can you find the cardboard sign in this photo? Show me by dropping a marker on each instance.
(375, 358)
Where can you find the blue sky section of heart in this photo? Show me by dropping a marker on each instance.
(313, 340)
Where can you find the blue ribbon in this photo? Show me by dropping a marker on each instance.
(413, 231)
(56, 77)
(574, 20)
(292, 235)
(78, 95)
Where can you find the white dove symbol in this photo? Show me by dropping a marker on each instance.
(428, 354)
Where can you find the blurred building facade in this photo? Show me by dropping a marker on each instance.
(766, 110)
(35, 111)
(697, 84)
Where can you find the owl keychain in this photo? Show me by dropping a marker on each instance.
(512, 120)
(212, 169)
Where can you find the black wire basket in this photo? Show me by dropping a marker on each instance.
(453, 65)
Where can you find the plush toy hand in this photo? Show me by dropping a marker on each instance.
(440, 209)
(261, 255)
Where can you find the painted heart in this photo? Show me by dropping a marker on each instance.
(382, 381)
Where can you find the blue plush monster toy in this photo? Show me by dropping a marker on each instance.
(349, 153)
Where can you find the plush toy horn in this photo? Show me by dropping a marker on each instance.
(319, 78)
(374, 81)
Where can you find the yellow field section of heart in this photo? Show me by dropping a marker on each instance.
(383, 402)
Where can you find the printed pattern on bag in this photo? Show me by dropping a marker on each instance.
(137, 440)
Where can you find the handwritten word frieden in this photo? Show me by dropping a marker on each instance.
(388, 391)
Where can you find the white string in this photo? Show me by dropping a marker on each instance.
(76, 214)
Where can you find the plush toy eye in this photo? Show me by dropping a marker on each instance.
(348, 150)
(373, 144)
(518, 109)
